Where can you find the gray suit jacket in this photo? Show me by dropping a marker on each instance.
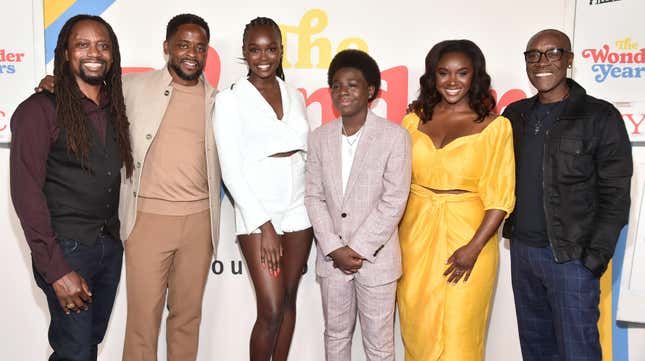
(366, 217)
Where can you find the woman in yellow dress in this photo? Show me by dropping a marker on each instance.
(463, 186)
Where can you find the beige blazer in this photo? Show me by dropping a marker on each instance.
(366, 217)
(146, 98)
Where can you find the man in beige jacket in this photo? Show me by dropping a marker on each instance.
(170, 207)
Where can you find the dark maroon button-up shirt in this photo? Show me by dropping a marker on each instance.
(33, 130)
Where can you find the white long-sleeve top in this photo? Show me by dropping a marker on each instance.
(247, 130)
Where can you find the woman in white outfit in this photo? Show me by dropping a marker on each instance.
(261, 133)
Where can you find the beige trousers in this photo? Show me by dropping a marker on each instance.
(166, 254)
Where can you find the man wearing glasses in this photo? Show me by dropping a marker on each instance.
(574, 166)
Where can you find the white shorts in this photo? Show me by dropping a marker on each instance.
(279, 184)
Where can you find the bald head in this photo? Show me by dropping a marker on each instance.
(548, 74)
(557, 35)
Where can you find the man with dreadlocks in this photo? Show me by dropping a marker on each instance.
(66, 154)
(170, 207)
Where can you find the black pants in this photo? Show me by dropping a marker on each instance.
(75, 337)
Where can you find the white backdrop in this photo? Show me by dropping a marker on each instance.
(611, 65)
(397, 34)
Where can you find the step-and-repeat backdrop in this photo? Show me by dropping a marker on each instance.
(609, 63)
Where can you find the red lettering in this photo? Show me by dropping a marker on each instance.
(636, 125)
(213, 67)
(613, 58)
(2, 115)
(626, 58)
(127, 70)
(6, 56)
(507, 98)
(396, 94)
(640, 57)
(604, 56)
(211, 70)
(598, 55)
(321, 96)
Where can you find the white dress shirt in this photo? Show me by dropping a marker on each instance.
(348, 151)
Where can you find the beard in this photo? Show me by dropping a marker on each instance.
(94, 79)
(188, 77)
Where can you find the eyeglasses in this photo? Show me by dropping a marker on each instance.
(554, 54)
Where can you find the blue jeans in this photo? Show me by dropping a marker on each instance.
(75, 337)
(556, 306)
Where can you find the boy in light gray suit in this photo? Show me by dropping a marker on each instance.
(357, 185)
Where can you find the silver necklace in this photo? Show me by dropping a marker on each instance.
(539, 122)
(355, 135)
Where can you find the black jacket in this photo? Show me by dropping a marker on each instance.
(587, 169)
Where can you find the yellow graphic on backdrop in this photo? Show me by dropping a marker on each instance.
(52, 9)
(605, 321)
(314, 22)
(626, 44)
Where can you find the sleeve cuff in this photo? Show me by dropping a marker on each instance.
(364, 251)
(594, 264)
(330, 245)
(506, 209)
(57, 267)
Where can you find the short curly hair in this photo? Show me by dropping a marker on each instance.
(182, 19)
(360, 60)
(481, 101)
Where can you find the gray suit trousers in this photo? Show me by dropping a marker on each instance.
(342, 299)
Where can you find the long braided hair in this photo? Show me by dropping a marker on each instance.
(69, 110)
(262, 21)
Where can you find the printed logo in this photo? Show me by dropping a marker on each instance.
(624, 60)
(600, 2)
(56, 13)
(634, 123)
(3, 125)
(235, 267)
(211, 68)
(634, 116)
(9, 59)
(314, 22)
(5, 134)
(394, 94)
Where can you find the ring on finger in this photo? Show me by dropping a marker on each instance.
(70, 306)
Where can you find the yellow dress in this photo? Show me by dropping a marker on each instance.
(441, 321)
